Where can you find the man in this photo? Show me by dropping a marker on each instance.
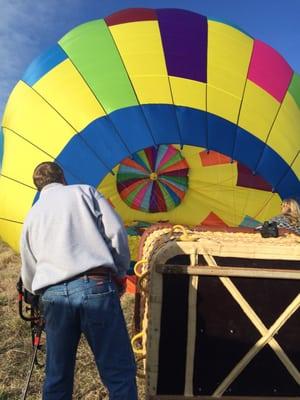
(74, 249)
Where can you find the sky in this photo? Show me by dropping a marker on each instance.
(29, 27)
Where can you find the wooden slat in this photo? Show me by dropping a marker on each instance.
(265, 339)
(191, 335)
(229, 271)
(235, 248)
(153, 333)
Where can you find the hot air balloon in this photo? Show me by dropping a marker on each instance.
(172, 116)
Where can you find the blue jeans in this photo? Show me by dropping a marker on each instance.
(93, 308)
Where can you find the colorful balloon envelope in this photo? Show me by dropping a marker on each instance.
(154, 179)
(140, 83)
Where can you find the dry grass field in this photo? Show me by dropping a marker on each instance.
(16, 350)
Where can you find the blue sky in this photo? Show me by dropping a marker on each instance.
(29, 27)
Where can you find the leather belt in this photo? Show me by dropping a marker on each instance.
(96, 272)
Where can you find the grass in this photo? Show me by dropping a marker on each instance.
(16, 350)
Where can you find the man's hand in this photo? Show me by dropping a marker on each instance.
(121, 284)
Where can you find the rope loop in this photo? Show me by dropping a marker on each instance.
(136, 338)
(139, 267)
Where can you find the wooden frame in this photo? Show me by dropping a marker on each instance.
(255, 273)
(208, 248)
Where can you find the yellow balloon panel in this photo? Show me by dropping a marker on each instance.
(285, 134)
(78, 105)
(258, 111)
(223, 104)
(20, 158)
(12, 233)
(227, 68)
(16, 199)
(188, 93)
(133, 242)
(26, 113)
(269, 204)
(140, 47)
(227, 64)
(296, 165)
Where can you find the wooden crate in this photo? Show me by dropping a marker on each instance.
(221, 315)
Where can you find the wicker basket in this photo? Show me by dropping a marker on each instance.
(220, 314)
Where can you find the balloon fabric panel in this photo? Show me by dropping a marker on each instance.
(247, 148)
(12, 232)
(88, 165)
(141, 51)
(296, 165)
(275, 170)
(247, 179)
(78, 105)
(221, 135)
(154, 181)
(221, 103)
(213, 158)
(11, 193)
(188, 93)
(227, 68)
(106, 76)
(259, 110)
(273, 80)
(43, 64)
(162, 120)
(15, 167)
(16, 186)
(193, 126)
(1, 147)
(26, 113)
(104, 140)
(286, 184)
(184, 38)
(131, 15)
(286, 125)
(294, 88)
(228, 60)
(134, 129)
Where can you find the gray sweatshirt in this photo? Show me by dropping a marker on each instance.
(68, 231)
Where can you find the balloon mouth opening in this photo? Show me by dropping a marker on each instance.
(153, 176)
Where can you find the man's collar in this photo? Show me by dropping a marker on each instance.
(50, 186)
